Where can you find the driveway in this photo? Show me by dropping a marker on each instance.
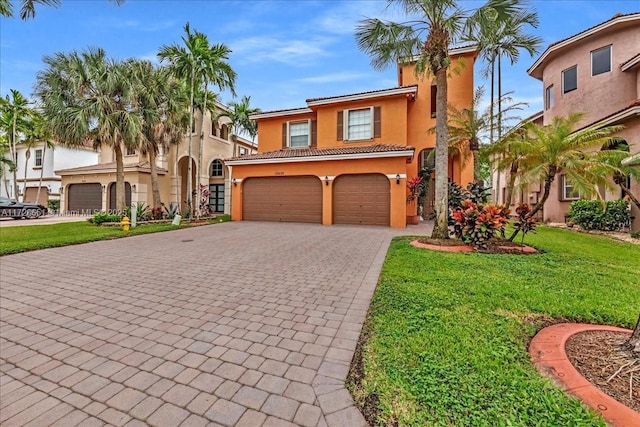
(233, 324)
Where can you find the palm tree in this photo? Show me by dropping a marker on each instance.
(16, 113)
(428, 38)
(555, 148)
(499, 31)
(199, 64)
(28, 7)
(614, 157)
(41, 133)
(87, 97)
(240, 122)
(30, 141)
(162, 105)
(6, 163)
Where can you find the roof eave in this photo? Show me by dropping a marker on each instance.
(279, 113)
(403, 90)
(381, 154)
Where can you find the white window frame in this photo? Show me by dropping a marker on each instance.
(548, 97)
(567, 196)
(243, 151)
(345, 124)
(610, 47)
(564, 92)
(297, 122)
(36, 158)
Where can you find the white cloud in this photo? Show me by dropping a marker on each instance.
(291, 52)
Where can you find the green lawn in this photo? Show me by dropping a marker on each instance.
(448, 333)
(32, 237)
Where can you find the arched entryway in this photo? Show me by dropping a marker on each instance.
(112, 195)
(183, 169)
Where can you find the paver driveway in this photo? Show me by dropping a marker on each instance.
(233, 324)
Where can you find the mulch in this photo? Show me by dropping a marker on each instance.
(494, 246)
(597, 355)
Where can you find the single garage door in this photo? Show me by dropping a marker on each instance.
(283, 198)
(31, 194)
(84, 197)
(361, 199)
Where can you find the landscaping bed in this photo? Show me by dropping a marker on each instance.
(445, 341)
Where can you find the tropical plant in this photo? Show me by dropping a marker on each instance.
(28, 7)
(477, 224)
(598, 215)
(498, 29)
(15, 115)
(199, 64)
(162, 103)
(87, 97)
(524, 223)
(557, 148)
(53, 205)
(241, 122)
(7, 164)
(172, 210)
(415, 186)
(40, 132)
(615, 156)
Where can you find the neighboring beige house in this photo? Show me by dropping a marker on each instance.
(596, 72)
(92, 188)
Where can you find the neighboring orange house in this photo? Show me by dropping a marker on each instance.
(346, 159)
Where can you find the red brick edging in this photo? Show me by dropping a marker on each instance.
(547, 351)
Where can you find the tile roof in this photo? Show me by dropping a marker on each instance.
(102, 167)
(301, 109)
(635, 103)
(370, 92)
(614, 17)
(313, 152)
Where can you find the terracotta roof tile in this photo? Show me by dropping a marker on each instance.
(312, 152)
(616, 16)
(635, 103)
(108, 166)
(359, 93)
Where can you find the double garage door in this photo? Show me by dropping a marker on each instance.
(357, 199)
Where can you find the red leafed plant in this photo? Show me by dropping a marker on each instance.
(476, 224)
(523, 223)
(414, 186)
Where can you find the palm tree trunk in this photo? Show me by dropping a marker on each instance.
(189, 165)
(27, 155)
(633, 198)
(513, 173)
(155, 187)
(44, 151)
(14, 157)
(491, 127)
(499, 130)
(200, 148)
(121, 200)
(441, 228)
(634, 341)
(551, 176)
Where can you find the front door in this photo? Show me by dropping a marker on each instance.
(216, 198)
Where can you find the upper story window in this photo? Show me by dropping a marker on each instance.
(130, 151)
(570, 79)
(217, 169)
(299, 134)
(359, 124)
(567, 191)
(548, 98)
(224, 132)
(243, 151)
(214, 129)
(601, 60)
(38, 159)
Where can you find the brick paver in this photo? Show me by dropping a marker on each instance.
(236, 324)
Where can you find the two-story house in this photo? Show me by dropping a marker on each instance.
(346, 159)
(595, 72)
(92, 188)
(43, 162)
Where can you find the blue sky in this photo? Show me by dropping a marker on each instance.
(283, 51)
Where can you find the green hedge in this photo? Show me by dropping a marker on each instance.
(598, 215)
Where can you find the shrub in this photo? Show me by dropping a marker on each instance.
(596, 215)
(523, 224)
(143, 213)
(475, 192)
(172, 210)
(54, 205)
(476, 224)
(156, 213)
(636, 234)
(101, 217)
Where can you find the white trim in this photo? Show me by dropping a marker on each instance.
(629, 161)
(395, 176)
(298, 122)
(577, 37)
(631, 64)
(369, 95)
(345, 124)
(610, 46)
(270, 114)
(326, 178)
(382, 154)
(621, 115)
(562, 79)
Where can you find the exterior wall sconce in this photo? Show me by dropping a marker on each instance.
(326, 181)
(61, 189)
(235, 183)
(103, 188)
(398, 178)
(133, 188)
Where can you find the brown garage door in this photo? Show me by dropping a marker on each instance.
(84, 197)
(361, 199)
(283, 198)
(32, 192)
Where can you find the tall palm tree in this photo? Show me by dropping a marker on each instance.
(199, 64)
(240, 122)
(15, 113)
(554, 148)
(29, 142)
(615, 156)
(499, 31)
(87, 97)
(6, 163)
(41, 133)
(427, 37)
(28, 7)
(162, 104)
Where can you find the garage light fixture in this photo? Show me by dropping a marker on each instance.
(398, 178)
(133, 188)
(235, 183)
(326, 181)
(103, 188)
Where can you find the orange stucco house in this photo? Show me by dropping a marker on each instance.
(347, 159)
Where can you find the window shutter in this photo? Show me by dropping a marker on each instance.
(340, 126)
(434, 94)
(377, 123)
(314, 133)
(284, 135)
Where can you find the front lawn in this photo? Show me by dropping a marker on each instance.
(448, 333)
(32, 237)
